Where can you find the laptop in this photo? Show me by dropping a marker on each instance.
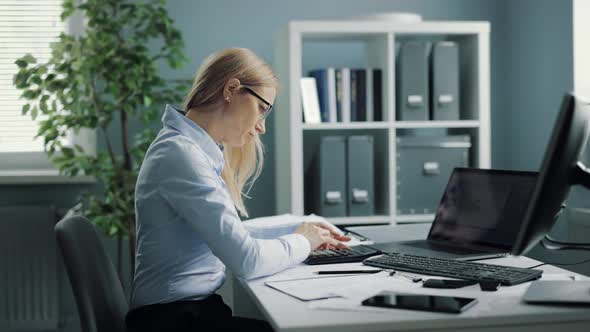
(478, 217)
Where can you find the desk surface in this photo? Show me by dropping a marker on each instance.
(502, 310)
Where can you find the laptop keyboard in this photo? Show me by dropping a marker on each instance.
(452, 268)
(333, 256)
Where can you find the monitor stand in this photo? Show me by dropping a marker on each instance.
(562, 292)
(552, 244)
(559, 292)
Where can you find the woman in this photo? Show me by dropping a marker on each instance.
(188, 195)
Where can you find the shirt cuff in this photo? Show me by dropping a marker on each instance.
(300, 247)
(291, 228)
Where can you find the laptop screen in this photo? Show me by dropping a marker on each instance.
(483, 207)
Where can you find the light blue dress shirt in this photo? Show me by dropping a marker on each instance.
(188, 229)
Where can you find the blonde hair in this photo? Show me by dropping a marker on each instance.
(244, 164)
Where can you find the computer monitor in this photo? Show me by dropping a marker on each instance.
(561, 168)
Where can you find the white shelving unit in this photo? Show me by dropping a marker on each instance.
(376, 42)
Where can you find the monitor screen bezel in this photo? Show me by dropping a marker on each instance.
(557, 173)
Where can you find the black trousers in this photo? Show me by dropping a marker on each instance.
(209, 314)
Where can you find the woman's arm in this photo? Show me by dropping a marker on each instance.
(271, 231)
(189, 186)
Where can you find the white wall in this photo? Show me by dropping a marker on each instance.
(581, 33)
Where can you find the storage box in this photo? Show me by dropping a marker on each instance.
(444, 80)
(424, 165)
(412, 82)
(329, 177)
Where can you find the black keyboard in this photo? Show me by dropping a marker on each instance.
(332, 256)
(456, 269)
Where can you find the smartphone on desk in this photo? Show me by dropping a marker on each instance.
(434, 303)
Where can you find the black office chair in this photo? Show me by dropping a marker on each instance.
(99, 296)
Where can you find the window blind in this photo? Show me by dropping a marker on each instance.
(26, 26)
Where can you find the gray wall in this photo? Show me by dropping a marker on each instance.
(212, 25)
(531, 67)
(537, 69)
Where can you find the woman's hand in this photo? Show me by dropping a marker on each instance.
(335, 234)
(321, 236)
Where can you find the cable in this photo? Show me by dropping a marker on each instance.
(560, 264)
(552, 239)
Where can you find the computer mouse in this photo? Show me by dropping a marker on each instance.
(489, 285)
(447, 283)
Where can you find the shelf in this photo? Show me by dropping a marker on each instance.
(437, 124)
(398, 124)
(307, 45)
(347, 125)
(368, 220)
(413, 218)
(353, 28)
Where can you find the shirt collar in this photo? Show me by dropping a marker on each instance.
(174, 118)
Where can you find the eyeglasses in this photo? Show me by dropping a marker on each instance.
(266, 103)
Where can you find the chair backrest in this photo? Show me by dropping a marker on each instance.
(99, 295)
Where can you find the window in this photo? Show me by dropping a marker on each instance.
(581, 10)
(26, 26)
(581, 60)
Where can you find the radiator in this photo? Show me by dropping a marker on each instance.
(28, 269)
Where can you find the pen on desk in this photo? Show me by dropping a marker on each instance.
(348, 271)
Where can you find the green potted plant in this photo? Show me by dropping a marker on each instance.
(101, 80)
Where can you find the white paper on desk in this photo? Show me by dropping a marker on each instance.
(321, 286)
(305, 289)
(279, 220)
(290, 219)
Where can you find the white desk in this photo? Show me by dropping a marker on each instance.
(502, 310)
